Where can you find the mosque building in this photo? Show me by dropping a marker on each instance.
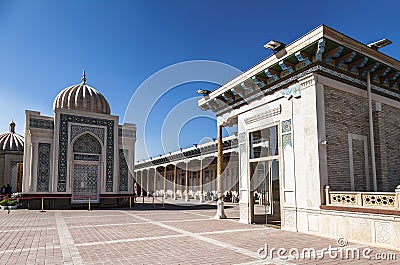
(11, 158)
(80, 153)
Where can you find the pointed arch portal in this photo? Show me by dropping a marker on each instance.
(86, 169)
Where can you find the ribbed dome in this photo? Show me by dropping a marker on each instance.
(10, 141)
(81, 97)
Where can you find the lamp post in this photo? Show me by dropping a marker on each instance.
(375, 46)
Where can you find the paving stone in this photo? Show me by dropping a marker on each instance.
(180, 234)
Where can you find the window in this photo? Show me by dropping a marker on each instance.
(264, 142)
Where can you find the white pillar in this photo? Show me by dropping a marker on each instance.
(165, 182)
(187, 182)
(148, 182)
(175, 198)
(201, 192)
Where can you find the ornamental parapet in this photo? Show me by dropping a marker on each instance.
(386, 200)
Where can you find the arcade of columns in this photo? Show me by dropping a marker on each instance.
(192, 172)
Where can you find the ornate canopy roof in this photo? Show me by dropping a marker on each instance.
(323, 51)
(11, 141)
(83, 98)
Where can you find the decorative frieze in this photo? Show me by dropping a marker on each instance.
(297, 76)
(86, 157)
(264, 115)
(41, 124)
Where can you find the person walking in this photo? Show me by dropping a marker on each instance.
(8, 190)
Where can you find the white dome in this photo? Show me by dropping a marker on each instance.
(10, 141)
(82, 97)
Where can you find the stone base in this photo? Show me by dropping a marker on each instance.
(63, 203)
(202, 199)
(220, 210)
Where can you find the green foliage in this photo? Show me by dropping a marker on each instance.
(8, 202)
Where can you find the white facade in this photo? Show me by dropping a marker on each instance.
(306, 123)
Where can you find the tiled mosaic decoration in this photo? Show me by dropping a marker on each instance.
(63, 148)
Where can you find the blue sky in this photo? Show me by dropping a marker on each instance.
(45, 45)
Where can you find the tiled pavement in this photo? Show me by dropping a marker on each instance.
(152, 235)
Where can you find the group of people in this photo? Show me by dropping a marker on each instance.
(6, 190)
(229, 197)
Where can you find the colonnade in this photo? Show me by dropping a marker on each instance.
(194, 178)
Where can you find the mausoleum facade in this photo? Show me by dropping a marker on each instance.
(80, 153)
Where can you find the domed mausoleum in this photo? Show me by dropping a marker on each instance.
(78, 153)
(11, 156)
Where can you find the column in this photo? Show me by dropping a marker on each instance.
(220, 184)
(187, 182)
(165, 182)
(148, 182)
(175, 198)
(201, 193)
(155, 181)
(135, 184)
(141, 183)
(30, 184)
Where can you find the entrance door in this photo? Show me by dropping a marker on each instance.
(264, 193)
(86, 169)
(85, 183)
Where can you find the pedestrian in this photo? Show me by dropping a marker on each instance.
(3, 190)
(8, 190)
(135, 192)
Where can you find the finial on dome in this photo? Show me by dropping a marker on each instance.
(12, 127)
(84, 77)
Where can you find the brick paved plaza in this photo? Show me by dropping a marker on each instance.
(182, 234)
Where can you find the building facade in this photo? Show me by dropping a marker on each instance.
(79, 154)
(318, 138)
(11, 157)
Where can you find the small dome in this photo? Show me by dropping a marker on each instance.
(81, 97)
(10, 141)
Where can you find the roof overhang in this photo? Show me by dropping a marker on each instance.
(321, 50)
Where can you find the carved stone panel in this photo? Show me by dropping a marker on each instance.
(382, 232)
(43, 167)
(87, 144)
(123, 170)
(85, 182)
(78, 129)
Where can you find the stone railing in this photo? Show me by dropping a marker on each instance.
(387, 200)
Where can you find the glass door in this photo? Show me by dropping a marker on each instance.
(265, 195)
